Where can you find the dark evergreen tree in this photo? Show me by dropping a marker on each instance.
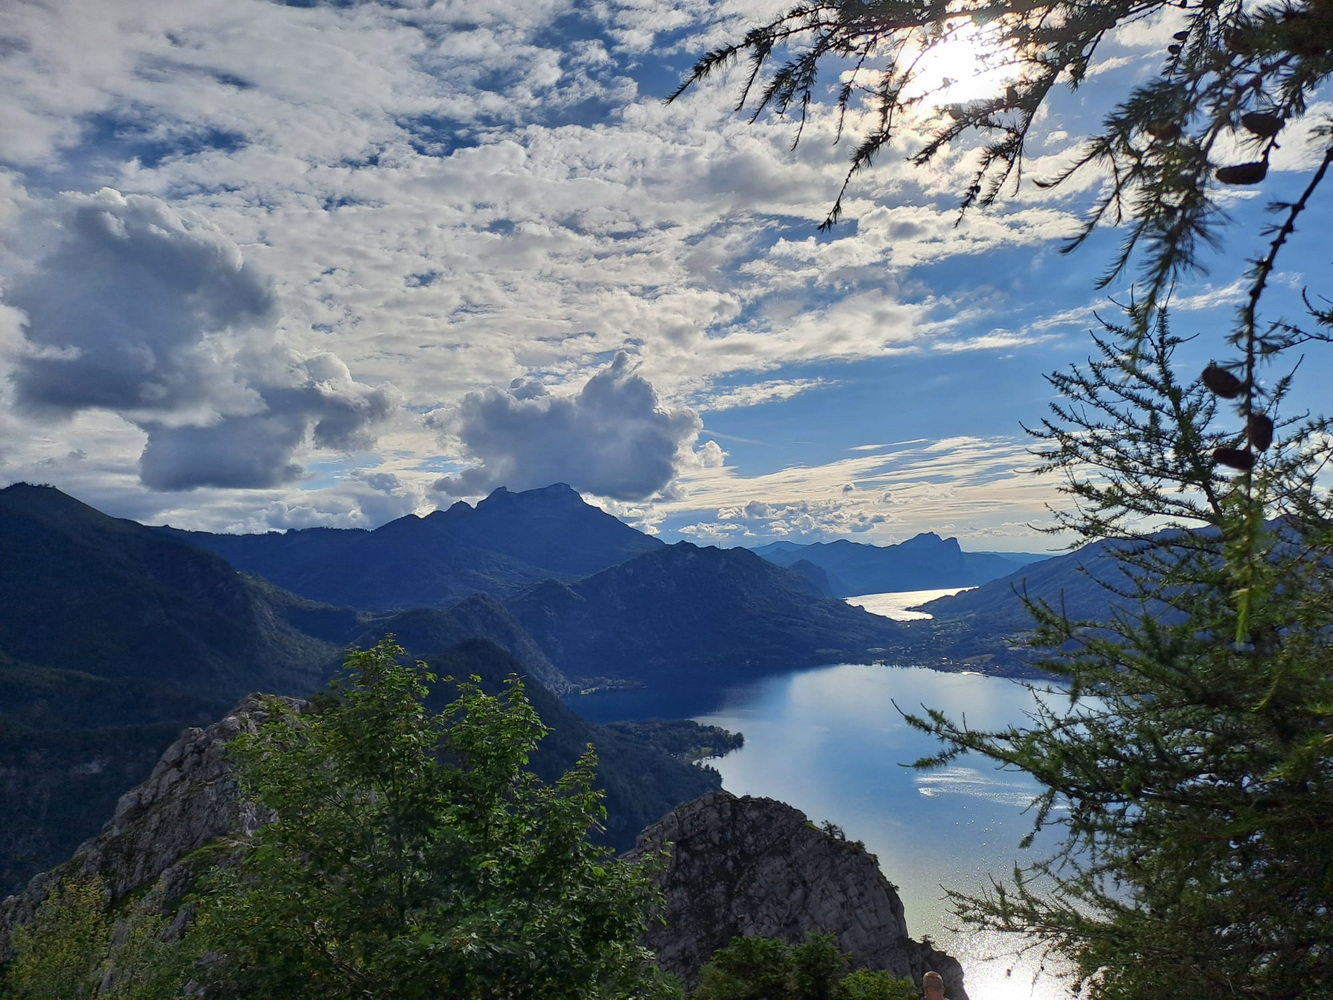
(1189, 770)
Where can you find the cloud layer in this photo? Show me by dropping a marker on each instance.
(233, 282)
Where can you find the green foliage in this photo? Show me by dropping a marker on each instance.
(78, 947)
(143, 965)
(1190, 768)
(60, 955)
(414, 856)
(757, 968)
(640, 784)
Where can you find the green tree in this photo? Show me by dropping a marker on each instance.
(1189, 772)
(60, 955)
(80, 945)
(414, 856)
(759, 968)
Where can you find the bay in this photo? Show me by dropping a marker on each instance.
(832, 742)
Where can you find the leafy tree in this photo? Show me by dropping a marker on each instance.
(1190, 770)
(60, 955)
(78, 945)
(414, 856)
(758, 968)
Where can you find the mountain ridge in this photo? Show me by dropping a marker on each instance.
(685, 611)
(507, 543)
(926, 561)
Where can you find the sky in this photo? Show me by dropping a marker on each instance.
(269, 266)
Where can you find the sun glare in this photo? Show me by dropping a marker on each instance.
(966, 63)
(960, 63)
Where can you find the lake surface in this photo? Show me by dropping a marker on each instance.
(899, 604)
(832, 742)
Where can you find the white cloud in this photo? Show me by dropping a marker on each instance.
(163, 322)
(613, 438)
(438, 197)
(758, 393)
(976, 486)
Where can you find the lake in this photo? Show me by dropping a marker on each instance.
(830, 741)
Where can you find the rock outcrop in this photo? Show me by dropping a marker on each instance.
(738, 865)
(188, 801)
(758, 867)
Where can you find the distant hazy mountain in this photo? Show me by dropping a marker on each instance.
(1070, 579)
(925, 562)
(504, 545)
(686, 612)
(980, 625)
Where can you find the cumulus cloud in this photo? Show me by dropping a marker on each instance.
(612, 439)
(120, 316)
(140, 313)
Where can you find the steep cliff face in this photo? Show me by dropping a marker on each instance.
(189, 800)
(758, 867)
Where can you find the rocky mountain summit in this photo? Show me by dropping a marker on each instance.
(758, 867)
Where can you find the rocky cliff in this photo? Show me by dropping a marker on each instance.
(189, 800)
(758, 867)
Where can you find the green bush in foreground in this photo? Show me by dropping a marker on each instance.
(414, 856)
(757, 968)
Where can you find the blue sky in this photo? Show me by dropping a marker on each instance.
(269, 266)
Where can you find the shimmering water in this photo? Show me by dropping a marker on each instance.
(899, 604)
(832, 742)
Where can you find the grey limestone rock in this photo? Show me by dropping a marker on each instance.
(758, 867)
(188, 801)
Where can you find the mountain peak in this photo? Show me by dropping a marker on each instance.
(557, 493)
(930, 540)
(49, 505)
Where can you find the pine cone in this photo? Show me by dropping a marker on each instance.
(1259, 431)
(1234, 457)
(1221, 382)
(1243, 173)
(1165, 130)
(1262, 123)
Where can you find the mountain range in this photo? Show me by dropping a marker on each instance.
(504, 545)
(925, 562)
(114, 636)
